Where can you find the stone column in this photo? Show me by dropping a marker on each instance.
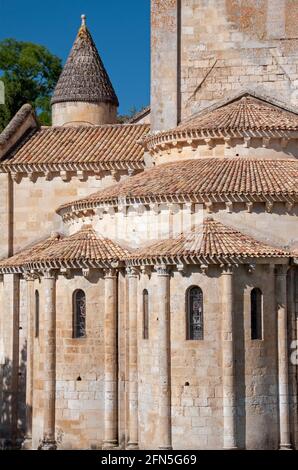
(30, 354)
(110, 361)
(163, 295)
(283, 360)
(49, 338)
(228, 361)
(132, 359)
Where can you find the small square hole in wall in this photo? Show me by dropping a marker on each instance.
(79, 379)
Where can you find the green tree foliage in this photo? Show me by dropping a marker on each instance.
(29, 72)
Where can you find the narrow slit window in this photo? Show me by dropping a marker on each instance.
(145, 314)
(79, 314)
(256, 298)
(36, 314)
(194, 313)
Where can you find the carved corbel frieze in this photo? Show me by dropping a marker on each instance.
(66, 272)
(181, 269)
(204, 268)
(86, 272)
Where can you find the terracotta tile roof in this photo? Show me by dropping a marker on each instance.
(211, 240)
(108, 144)
(247, 113)
(82, 247)
(211, 178)
(84, 77)
(28, 253)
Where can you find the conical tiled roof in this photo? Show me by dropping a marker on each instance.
(84, 77)
(212, 240)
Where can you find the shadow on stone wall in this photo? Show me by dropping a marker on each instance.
(13, 402)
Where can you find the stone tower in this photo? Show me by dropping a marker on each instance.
(203, 52)
(84, 94)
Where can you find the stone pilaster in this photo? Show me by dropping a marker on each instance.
(10, 325)
(228, 361)
(164, 424)
(49, 338)
(110, 361)
(132, 359)
(283, 359)
(30, 354)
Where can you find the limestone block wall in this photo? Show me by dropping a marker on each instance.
(79, 113)
(79, 403)
(196, 366)
(205, 50)
(141, 225)
(256, 363)
(35, 204)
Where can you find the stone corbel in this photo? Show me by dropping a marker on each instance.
(16, 177)
(66, 272)
(210, 143)
(269, 207)
(228, 142)
(99, 212)
(251, 268)
(265, 142)
(284, 142)
(209, 207)
(146, 271)
(64, 175)
(247, 141)
(131, 171)
(181, 269)
(289, 206)
(132, 271)
(229, 207)
(81, 175)
(32, 176)
(154, 207)
(86, 272)
(249, 207)
(49, 175)
(115, 175)
(204, 268)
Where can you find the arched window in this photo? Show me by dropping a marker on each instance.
(36, 314)
(256, 305)
(79, 314)
(145, 314)
(194, 313)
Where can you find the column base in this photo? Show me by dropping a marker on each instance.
(132, 446)
(48, 445)
(110, 445)
(165, 448)
(27, 443)
(285, 447)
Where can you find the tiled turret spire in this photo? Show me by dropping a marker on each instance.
(84, 77)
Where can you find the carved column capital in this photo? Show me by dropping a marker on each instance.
(109, 273)
(162, 270)
(132, 271)
(49, 273)
(227, 269)
(281, 269)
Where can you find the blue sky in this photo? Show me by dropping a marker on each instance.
(120, 29)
